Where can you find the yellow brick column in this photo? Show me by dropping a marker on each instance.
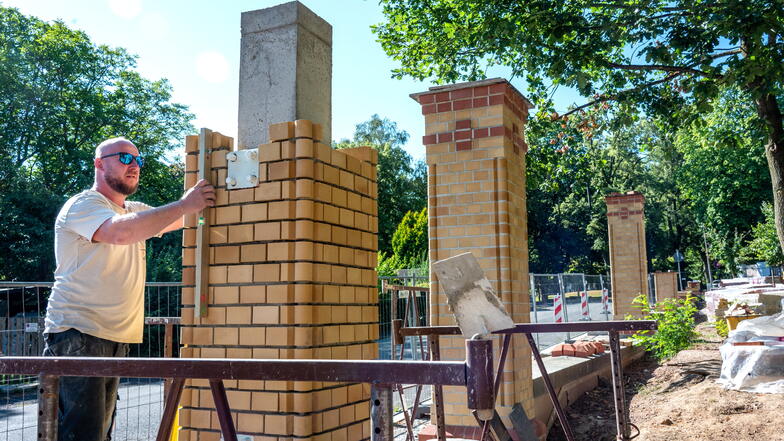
(666, 285)
(628, 258)
(292, 275)
(476, 202)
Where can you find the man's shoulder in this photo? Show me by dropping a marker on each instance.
(87, 200)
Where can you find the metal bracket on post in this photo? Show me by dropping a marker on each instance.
(243, 169)
(201, 299)
(48, 398)
(381, 412)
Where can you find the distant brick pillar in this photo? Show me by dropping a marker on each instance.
(476, 202)
(628, 256)
(665, 284)
(292, 275)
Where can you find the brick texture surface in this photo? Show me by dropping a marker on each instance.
(628, 261)
(476, 202)
(292, 275)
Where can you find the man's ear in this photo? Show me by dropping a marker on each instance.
(98, 163)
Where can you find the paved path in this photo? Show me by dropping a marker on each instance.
(138, 413)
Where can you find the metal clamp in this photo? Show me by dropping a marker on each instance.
(243, 169)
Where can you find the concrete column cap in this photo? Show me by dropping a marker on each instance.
(285, 14)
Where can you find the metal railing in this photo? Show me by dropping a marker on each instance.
(22, 310)
(475, 374)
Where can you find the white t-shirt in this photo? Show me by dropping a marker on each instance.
(98, 287)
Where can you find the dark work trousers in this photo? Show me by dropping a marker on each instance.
(87, 404)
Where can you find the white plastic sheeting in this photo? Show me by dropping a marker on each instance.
(758, 368)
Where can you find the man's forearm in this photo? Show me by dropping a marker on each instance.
(135, 227)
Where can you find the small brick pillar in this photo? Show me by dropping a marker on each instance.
(628, 258)
(666, 285)
(476, 202)
(292, 275)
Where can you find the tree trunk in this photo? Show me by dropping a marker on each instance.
(768, 109)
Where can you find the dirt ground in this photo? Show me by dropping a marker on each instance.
(680, 400)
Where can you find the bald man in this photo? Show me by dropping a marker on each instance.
(96, 308)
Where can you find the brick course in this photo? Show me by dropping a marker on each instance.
(292, 275)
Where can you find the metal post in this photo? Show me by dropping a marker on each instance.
(48, 397)
(381, 412)
(170, 409)
(438, 390)
(479, 377)
(550, 390)
(224, 412)
(621, 419)
(605, 311)
(533, 296)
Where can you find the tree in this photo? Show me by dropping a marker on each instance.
(764, 245)
(665, 57)
(410, 241)
(61, 95)
(402, 184)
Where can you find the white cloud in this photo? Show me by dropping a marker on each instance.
(126, 8)
(212, 67)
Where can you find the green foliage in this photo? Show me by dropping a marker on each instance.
(724, 175)
(61, 95)
(764, 244)
(711, 71)
(402, 183)
(675, 321)
(722, 328)
(409, 242)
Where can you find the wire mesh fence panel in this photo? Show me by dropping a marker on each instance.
(22, 311)
(412, 307)
(557, 298)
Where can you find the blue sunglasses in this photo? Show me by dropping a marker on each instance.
(127, 158)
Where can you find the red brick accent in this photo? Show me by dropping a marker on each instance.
(429, 139)
(444, 137)
(463, 145)
(624, 198)
(463, 134)
(481, 133)
(463, 124)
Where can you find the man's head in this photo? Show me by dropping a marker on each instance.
(111, 169)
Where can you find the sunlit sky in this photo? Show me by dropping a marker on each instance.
(195, 44)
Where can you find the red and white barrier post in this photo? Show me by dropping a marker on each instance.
(584, 312)
(558, 312)
(605, 301)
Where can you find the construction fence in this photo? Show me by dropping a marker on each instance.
(22, 310)
(23, 306)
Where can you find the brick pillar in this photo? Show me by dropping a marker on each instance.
(666, 285)
(292, 275)
(628, 261)
(476, 202)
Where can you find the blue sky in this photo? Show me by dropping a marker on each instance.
(195, 44)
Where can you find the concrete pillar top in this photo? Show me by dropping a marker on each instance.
(285, 14)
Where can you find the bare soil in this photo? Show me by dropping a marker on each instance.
(679, 400)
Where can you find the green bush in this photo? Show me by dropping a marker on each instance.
(722, 328)
(409, 242)
(675, 320)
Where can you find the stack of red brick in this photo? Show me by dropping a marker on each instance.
(579, 349)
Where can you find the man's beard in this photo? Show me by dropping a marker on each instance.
(120, 186)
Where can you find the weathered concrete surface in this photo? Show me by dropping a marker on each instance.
(285, 71)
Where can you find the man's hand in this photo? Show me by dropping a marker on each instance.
(123, 229)
(198, 197)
